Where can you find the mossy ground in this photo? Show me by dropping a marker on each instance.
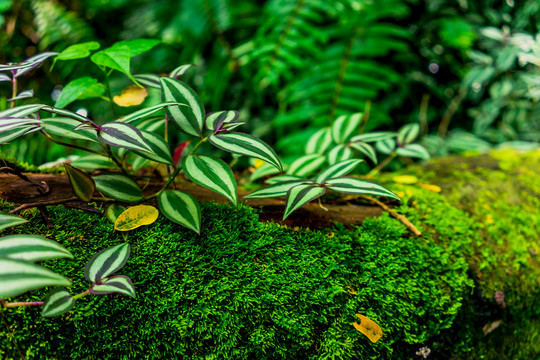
(245, 289)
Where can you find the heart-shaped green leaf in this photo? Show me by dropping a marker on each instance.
(73, 90)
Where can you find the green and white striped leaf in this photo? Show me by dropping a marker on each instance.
(339, 169)
(34, 61)
(344, 126)
(275, 190)
(339, 153)
(408, 133)
(319, 142)
(57, 302)
(213, 174)
(4, 77)
(350, 185)
(179, 71)
(306, 165)
(262, 171)
(144, 113)
(115, 284)
(113, 211)
(189, 119)
(106, 262)
(231, 126)
(19, 276)
(124, 136)
(31, 248)
(61, 126)
(10, 135)
(284, 178)
(248, 145)
(374, 136)
(386, 146)
(7, 124)
(21, 111)
(82, 184)
(65, 113)
(300, 195)
(160, 149)
(15, 66)
(365, 149)
(118, 187)
(148, 80)
(181, 208)
(413, 151)
(8, 220)
(215, 120)
(140, 163)
(26, 94)
(93, 162)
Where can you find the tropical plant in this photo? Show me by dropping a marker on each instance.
(19, 273)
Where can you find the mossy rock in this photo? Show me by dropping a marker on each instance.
(246, 289)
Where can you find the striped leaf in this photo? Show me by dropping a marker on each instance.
(413, 151)
(19, 276)
(213, 174)
(140, 163)
(21, 111)
(181, 208)
(115, 284)
(319, 142)
(144, 113)
(339, 169)
(365, 149)
(73, 90)
(231, 126)
(70, 128)
(188, 119)
(339, 153)
(14, 66)
(10, 135)
(284, 178)
(31, 248)
(350, 185)
(275, 190)
(148, 80)
(65, 113)
(160, 149)
(57, 302)
(386, 146)
(344, 126)
(248, 145)
(408, 133)
(179, 71)
(300, 195)
(374, 136)
(215, 120)
(8, 220)
(26, 94)
(113, 211)
(118, 187)
(306, 165)
(34, 61)
(135, 217)
(82, 184)
(106, 262)
(4, 77)
(7, 124)
(93, 162)
(262, 171)
(123, 135)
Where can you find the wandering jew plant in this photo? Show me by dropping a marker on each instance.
(19, 272)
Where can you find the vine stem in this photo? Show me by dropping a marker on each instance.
(69, 145)
(109, 93)
(382, 164)
(449, 113)
(116, 161)
(14, 91)
(80, 295)
(37, 303)
(55, 202)
(394, 214)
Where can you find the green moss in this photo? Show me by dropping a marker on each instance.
(245, 289)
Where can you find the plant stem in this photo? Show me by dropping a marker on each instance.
(383, 163)
(14, 91)
(116, 161)
(43, 203)
(80, 295)
(450, 111)
(109, 93)
(394, 214)
(24, 303)
(69, 145)
(365, 118)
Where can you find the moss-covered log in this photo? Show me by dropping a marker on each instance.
(250, 289)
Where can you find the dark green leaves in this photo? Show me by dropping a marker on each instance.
(78, 51)
(244, 144)
(188, 119)
(57, 302)
(213, 174)
(181, 208)
(82, 184)
(160, 149)
(106, 262)
(118, 187)
(73, 90)
(215, 120)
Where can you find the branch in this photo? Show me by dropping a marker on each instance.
(394, 214)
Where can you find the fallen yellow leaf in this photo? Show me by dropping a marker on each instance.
(131, 96)
(405, 179)
(429, 187)
(136, 216)
(369, 328)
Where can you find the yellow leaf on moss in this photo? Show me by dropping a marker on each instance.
(136, 216)
(405, 179)
(429, 187)
(131, 96)
(369, 328)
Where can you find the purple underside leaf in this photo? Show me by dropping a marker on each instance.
(34, 61)
(4, 77)
(23, 95)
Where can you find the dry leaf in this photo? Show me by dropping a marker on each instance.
(429, 187)
(131, 96)
(489, 327)
(405, 179)
(369, 328)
